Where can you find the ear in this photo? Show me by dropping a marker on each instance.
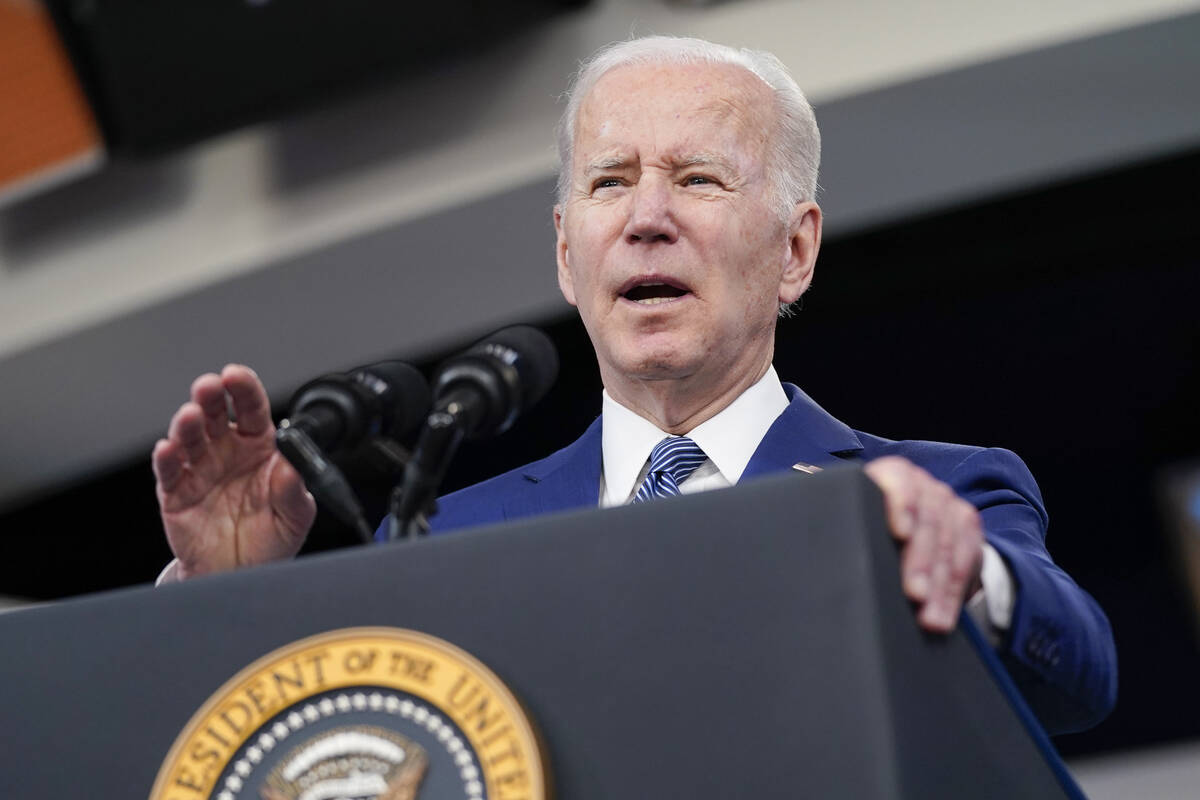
(565, 283)
(800, 260)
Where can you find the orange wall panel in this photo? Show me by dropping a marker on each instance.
(45, 121)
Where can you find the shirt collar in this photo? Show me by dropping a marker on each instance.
(729, 438)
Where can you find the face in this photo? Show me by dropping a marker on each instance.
(668, 242)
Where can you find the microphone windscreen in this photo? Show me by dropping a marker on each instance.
(406, 397)
(536, 359)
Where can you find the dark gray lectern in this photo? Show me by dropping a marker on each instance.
(750, 642)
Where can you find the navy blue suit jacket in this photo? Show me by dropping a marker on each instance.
(1059, 649)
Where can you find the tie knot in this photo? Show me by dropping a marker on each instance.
(672, 461)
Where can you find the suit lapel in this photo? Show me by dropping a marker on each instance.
(567, 479)
(803, 434)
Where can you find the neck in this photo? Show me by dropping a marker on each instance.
(676, 406)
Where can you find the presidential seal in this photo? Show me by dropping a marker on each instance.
(358, 714)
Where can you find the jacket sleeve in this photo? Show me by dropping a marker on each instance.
(1059, 649)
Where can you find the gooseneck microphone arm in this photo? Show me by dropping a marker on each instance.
(469, 392)
(413, 501)
(323, 478)
(478, 393)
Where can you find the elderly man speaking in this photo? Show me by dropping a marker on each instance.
(686, 225)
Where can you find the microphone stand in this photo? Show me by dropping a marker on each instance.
(387, 457)
(413, 500)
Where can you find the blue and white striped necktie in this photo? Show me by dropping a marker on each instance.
(671, 462)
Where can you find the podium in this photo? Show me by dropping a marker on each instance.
(746, 642)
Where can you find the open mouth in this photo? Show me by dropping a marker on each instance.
(650, 293)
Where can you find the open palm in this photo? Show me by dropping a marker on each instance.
(227, 497)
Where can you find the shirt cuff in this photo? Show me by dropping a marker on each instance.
(992, 606)
(170, 573)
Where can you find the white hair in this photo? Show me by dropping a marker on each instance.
(795, 154)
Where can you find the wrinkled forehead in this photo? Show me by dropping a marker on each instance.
(637, 98)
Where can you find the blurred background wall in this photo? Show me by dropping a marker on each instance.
(1010, 192)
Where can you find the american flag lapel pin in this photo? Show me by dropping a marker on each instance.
(810, 469)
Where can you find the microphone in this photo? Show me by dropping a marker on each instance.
(338, 411)
(476, 394)
(489, 385)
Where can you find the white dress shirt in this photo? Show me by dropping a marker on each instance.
(729, 439)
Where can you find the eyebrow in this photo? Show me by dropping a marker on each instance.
(606, 164)
(705, 160)
(685, 162)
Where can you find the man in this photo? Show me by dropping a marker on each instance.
(685, 222)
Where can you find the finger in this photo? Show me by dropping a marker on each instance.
(958, 557)
(920, 554)
(966, 557)
(938, 617)
(187, 432)
(209, 393)
(167, 462)
(940, 609)
(250, 402)
(895, 478)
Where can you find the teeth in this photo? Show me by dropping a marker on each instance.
(650, 301)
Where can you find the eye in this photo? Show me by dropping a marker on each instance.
(698, 180)
(606, 183)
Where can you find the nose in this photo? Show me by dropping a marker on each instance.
(651, 213)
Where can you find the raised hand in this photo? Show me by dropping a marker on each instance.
(227, 496)
(942, 536)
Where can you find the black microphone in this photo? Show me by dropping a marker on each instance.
(476, 394)
(338, 411)
(490, 384)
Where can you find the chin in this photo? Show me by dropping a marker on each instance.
(658, 371)
(660, 365)
(652, 357)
